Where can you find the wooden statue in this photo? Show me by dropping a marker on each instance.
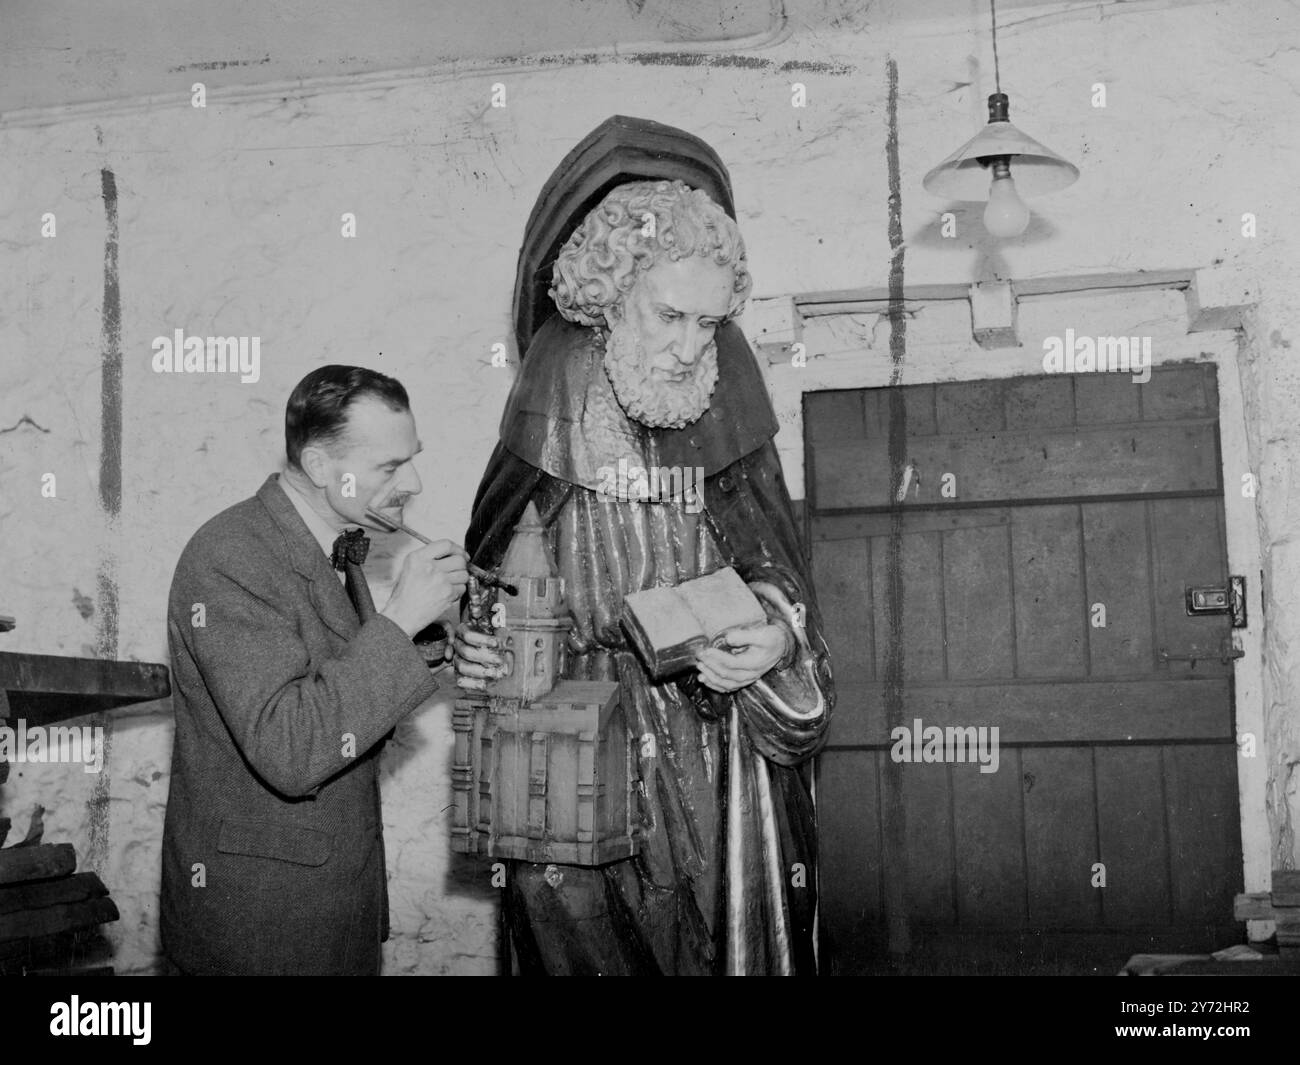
(640, 432)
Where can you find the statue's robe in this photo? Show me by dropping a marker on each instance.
(726, 878)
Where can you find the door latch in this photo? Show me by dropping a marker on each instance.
(1227, 598)
(1227, 652)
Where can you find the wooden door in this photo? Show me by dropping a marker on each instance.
(1044, 557)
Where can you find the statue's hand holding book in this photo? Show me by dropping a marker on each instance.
(714, 624)
(740, 656)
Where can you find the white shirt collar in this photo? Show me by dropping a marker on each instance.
(324, 533)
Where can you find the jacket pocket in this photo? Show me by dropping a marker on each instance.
(272, 839)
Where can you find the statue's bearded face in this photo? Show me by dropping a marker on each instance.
(661, 356)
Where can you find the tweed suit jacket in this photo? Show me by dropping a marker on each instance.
(273, 857)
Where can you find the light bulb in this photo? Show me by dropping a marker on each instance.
(1006, 215)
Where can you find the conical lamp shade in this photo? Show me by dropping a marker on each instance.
(1035, 167)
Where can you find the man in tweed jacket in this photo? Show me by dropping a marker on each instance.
(273, 859)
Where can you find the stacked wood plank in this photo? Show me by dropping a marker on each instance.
(1281, 905)
(46, 907)
(49, 914)
(1286, 911)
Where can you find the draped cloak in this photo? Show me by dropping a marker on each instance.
(726, 878)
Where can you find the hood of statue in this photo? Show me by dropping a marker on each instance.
(562, 415)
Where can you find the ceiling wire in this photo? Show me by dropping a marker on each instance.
(997, 75)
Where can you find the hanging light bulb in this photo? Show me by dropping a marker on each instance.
(1006, 215)
(1000, 147)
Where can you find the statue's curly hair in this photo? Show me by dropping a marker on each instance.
(635, 226)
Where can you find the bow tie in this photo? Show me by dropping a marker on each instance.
(351, 546)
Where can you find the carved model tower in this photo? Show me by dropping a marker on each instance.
(543, 769)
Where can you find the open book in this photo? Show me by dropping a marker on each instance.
(670, 626)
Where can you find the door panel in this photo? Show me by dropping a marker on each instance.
(1060, 837)
(1119, 577)
(1037, 712)
(992, 889)
(1051, 618)
(1120, 460)
(849, 848)
(929, 843)
(838, 575)
(1204, 829)
(1133, 835)
(922, 569)
(1036, 600)
(1186, 549)
(977, 606)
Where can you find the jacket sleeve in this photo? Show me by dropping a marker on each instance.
(296, 723)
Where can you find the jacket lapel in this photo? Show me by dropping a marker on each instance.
(327, 593)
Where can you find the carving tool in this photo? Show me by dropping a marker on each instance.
(477, 572)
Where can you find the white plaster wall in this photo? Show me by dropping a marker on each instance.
(230, 217)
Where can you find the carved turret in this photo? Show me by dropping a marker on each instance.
(532, 625)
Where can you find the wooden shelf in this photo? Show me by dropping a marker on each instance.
(45, 688)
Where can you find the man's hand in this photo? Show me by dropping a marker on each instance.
(478, 659)
(430, 583)
(757, 650)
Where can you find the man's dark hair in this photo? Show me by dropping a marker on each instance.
(317, 412)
